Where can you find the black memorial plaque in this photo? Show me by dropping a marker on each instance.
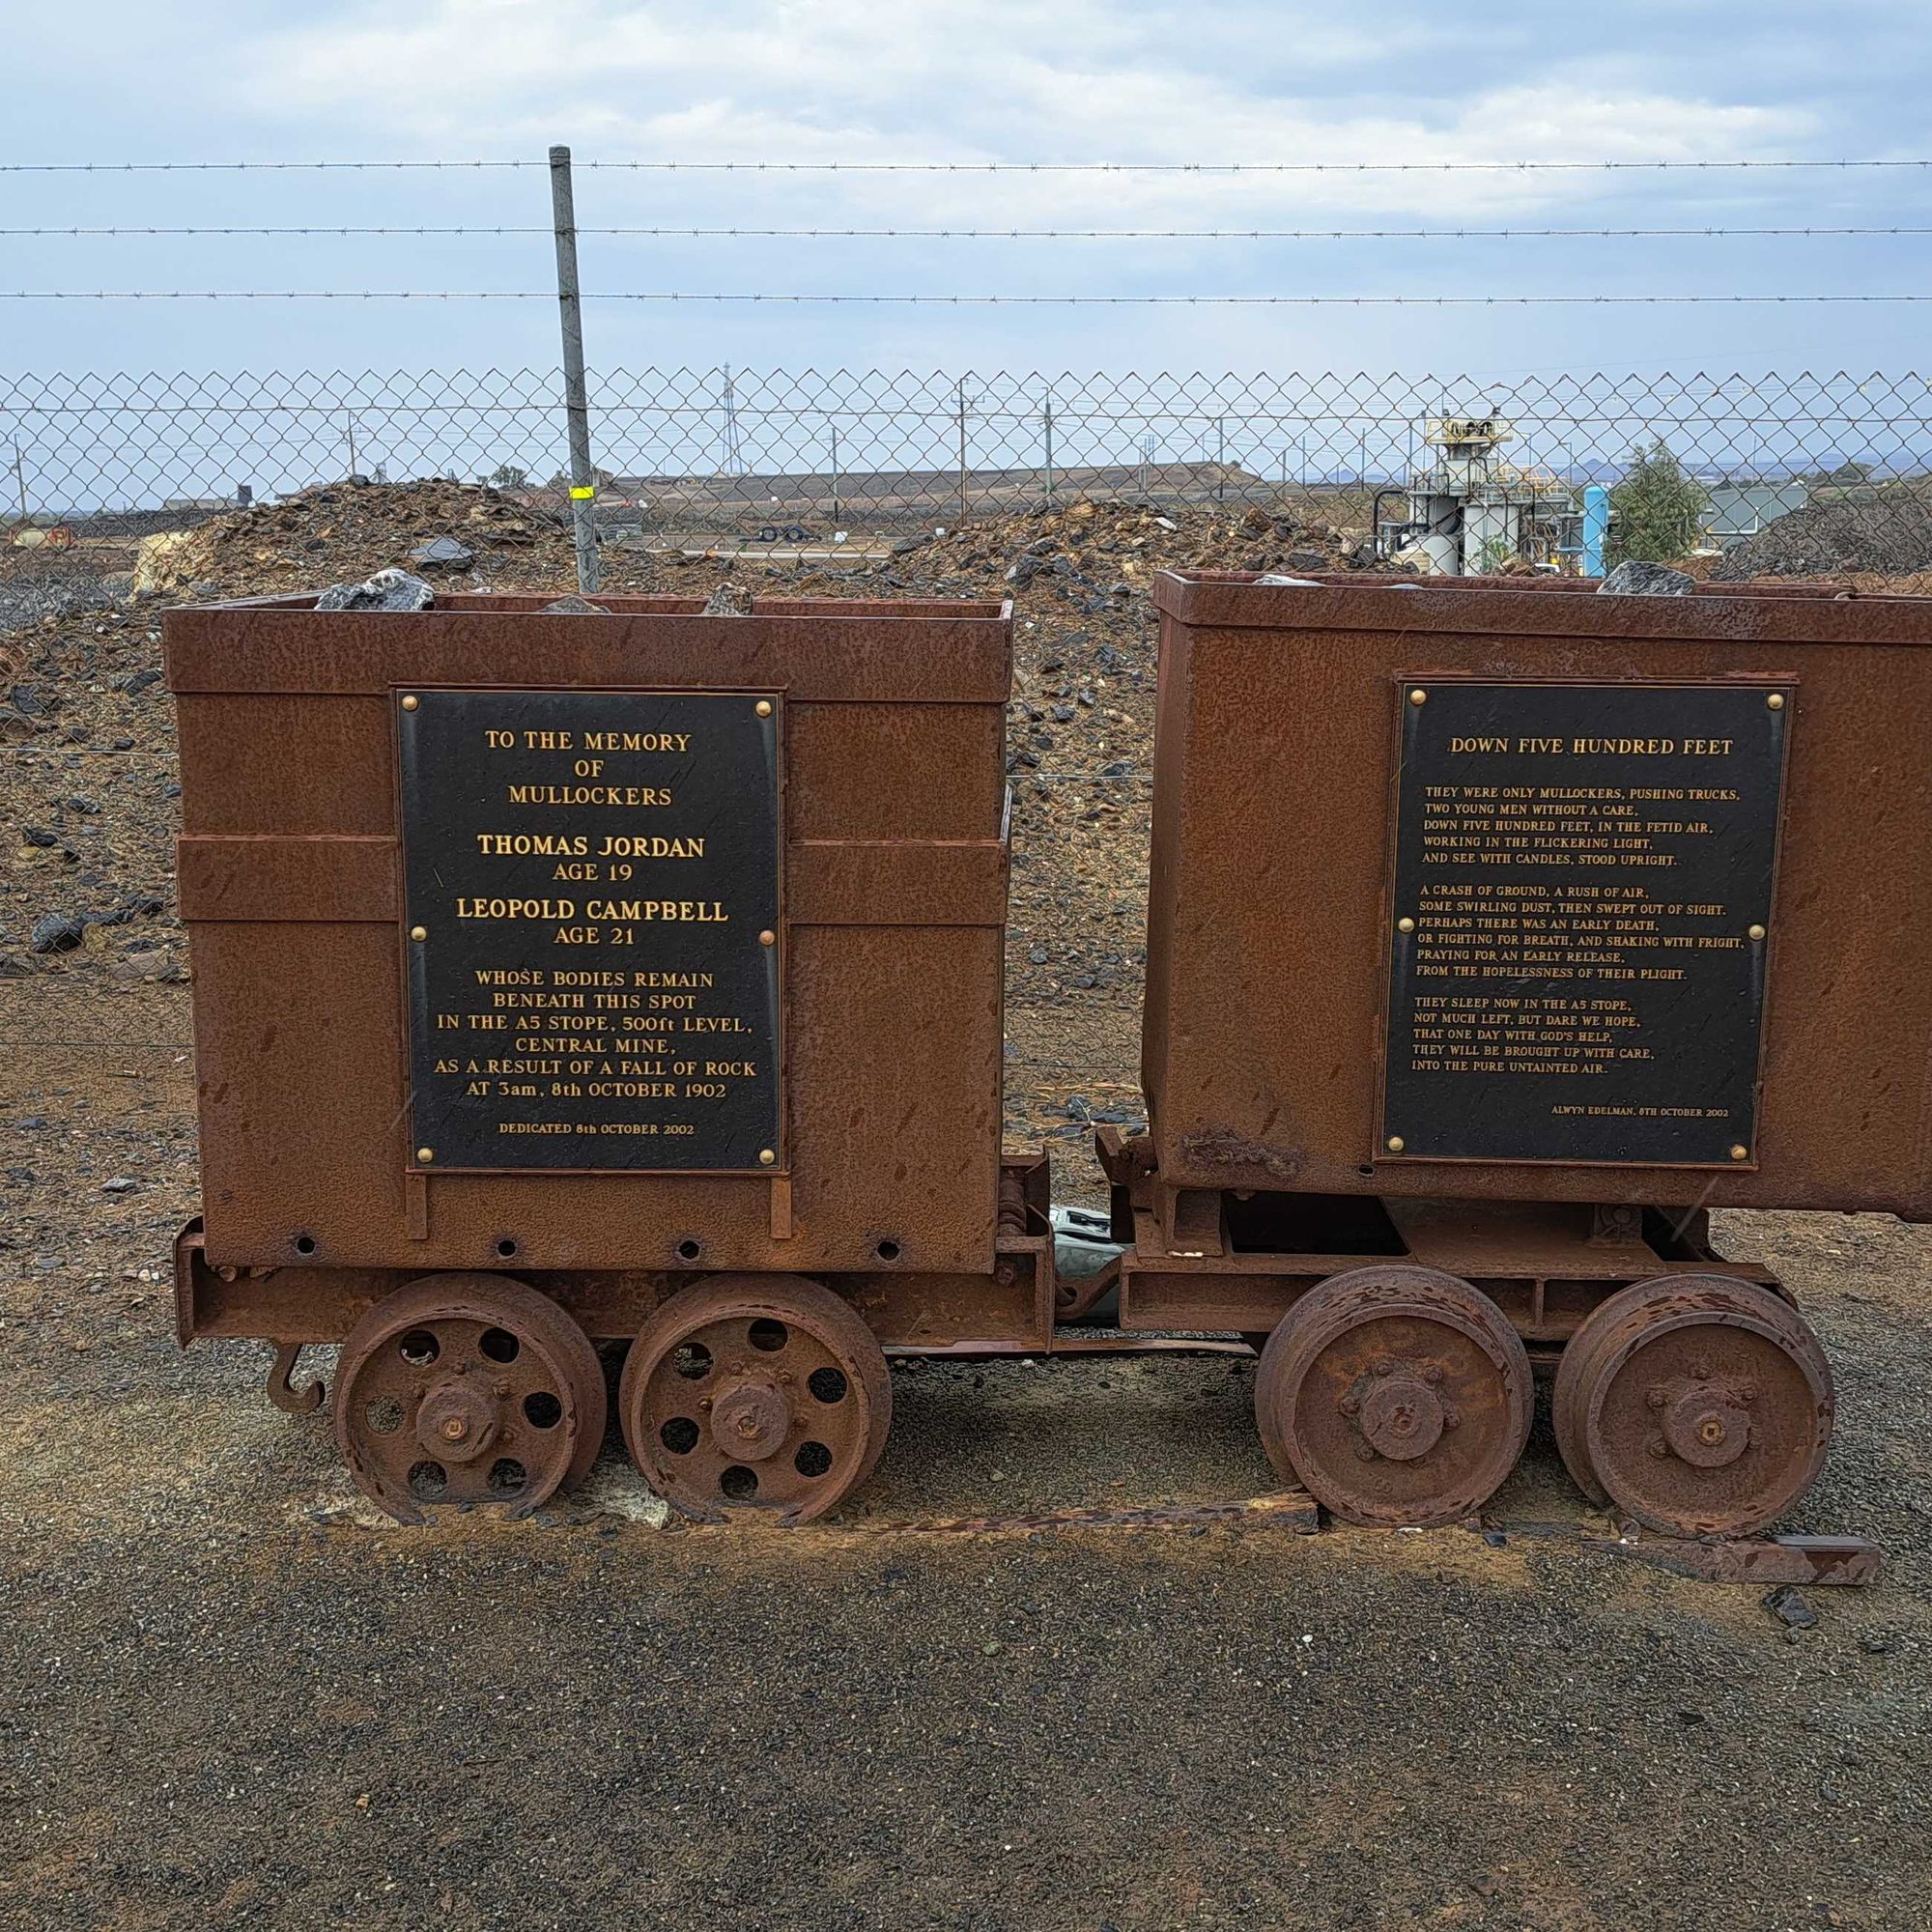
(592, 887)
(1582, 886)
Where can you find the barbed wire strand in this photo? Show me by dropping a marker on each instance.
(1228, 167)
(959, 301)
(1348, 424)
(1704, 234)
(968, 167)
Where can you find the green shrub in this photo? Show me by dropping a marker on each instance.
(1655, 510)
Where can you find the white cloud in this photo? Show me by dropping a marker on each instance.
(1007, 79)
(1240, 80)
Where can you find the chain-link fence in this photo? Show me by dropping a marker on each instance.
(1804, 474)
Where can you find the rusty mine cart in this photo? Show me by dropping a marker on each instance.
(567, 979)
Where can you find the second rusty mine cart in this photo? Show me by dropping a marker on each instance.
(1497, 932)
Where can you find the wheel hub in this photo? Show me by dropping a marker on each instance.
(751, 1422)
(457, 1421)
(1705, 1429)
(1401, 1417)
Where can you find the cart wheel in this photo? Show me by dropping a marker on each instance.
(467, 1388)
(1395, 1396)
(755, 1391)
(1698, 1404)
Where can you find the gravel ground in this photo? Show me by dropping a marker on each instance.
(50, 590)
(233, 1694)
(230, 1693)
(1887, 531)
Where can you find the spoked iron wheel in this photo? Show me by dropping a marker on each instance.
(749, 1391)
(1395, 1396)
(1698, 1404)
(467, 1388)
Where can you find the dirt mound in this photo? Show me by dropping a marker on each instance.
(1131, 541)
(1889, 535)
(342, 530)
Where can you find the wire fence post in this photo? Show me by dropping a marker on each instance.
(575, 399)
(1046, 419)
(835, 473)
(20, 478)
(962, 450)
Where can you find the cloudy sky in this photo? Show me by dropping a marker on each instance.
(1247, 81)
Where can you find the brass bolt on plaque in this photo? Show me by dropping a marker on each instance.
(1404, 925)
(1776, 701)
(1395, 1144)
(1757, 932)
(768, 937)
(425, 1155)
(1418, 697)
(766, 1157)
(411, 703)
(763, 707)
(1741, 1152)
(419, 933)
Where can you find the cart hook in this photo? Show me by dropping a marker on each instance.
(290, 1400)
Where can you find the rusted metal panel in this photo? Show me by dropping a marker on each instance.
(865, 771)
(1005, 1310)
(272, 765)
(304, 1123)
(324, 878)
(945, 1311)
(1821, 1561)
(854, 656)
(951, 609)
(893, 962)
(897, 882)
(1159, 1296)
(856, 771)
(1533, 609)
(1275, 757)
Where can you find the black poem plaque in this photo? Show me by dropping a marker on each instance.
(593, 911)
(1582, 895)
